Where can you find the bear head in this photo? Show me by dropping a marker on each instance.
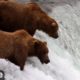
(43, 21)
(41, 51)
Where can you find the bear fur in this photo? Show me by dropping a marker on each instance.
(29, 16)
(17, 46)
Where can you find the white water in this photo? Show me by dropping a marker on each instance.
(64, 52)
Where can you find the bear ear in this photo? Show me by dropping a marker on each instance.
(53, 24)
(36, 43)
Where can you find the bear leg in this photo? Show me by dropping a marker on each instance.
(20, 61)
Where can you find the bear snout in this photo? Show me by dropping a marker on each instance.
(47, 61)
(55, 35)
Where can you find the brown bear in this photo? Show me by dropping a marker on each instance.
(29, 16)
(17, 46)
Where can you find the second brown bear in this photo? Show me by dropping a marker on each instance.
(17, 46)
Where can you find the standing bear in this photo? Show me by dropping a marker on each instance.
(18, 45)
(29, 16)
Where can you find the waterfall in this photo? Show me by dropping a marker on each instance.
(64, 52)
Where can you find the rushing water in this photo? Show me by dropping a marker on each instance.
(64, 52)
